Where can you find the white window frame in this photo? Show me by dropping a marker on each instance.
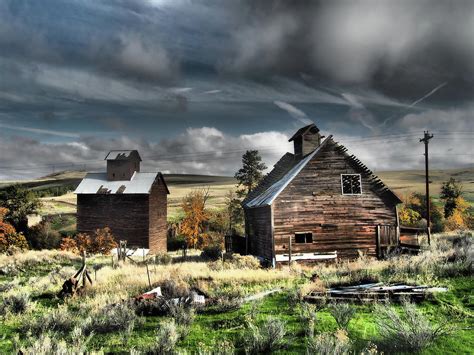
(342, 185)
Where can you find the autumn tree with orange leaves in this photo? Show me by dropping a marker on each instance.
(195, 217)
(9, 238)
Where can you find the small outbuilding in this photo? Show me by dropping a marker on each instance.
(319, 203)
(133, 204)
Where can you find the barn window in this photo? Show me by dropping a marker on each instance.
(302, 238)
(351, 184)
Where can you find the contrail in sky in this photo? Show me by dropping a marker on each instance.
(293, 111)
(40, 131)
(416, 102)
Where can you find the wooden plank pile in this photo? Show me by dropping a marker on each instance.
(374, 292)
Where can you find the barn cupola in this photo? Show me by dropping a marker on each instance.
(306, 140)
(122, 164)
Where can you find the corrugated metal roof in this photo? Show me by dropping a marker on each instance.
(121, 154)
(274, 190)
(95, 183)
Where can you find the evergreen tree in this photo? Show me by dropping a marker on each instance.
(451, 190)
(251, 172)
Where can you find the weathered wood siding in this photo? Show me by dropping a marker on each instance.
(259, 231)
(158, 213)
(313, 202)
(126, 215)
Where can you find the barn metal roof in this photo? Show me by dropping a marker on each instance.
(122, 155)
(97, 183)
(267, 197)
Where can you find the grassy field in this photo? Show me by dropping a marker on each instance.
(117, 325)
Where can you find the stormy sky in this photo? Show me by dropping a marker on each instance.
(193, 84)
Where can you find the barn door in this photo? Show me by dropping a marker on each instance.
(386, 237)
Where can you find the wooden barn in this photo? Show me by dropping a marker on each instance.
(319, 203)
(131, 203)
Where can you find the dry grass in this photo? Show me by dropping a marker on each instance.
(32, 258)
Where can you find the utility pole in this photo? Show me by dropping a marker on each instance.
(426, 138)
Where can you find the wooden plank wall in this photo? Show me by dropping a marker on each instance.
(259, 231)
(158, 213)
(313, 202)
(125, 215)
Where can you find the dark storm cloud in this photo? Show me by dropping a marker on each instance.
(380, 44)
(82, 34)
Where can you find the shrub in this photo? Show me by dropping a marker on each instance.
(176, 243)
(224, 304)
(212, 252)
(408, 331)
(182, 313)
(9, 238)
(42, 236)
(342, 313)
(329, 344)
(163, 259)
(166, 338)
(174, 288)
(264, 338)
(58, 320)
(15, 304)
(112, 318)
(47, 344)
(308, 316)
(101, 242)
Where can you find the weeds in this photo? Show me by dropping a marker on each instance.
(408, 331)
(17, 303)
(342, 313)
(166, 338)
(329, 344)
(112, 318)
(58, 320)
(264, 338)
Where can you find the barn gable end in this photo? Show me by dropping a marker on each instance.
(311, 213)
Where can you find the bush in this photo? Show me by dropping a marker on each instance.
(264, 338)
(213, 252)
(174, 288)
(166, 338)
(15, 304)
(329, 344)
(176, 243)
(58, 320)
(308, 316)
(409, 331)
(163, 259)
(42, 236)
(47, 344)
(182, 313)
(112, 318)
(342, 313)
(224, 304)
(101, 242)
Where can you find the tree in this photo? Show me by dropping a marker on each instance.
(195, 217)
(416, 202)
(460, 217)
(9, 238)
(451, 190)
(251, 172)
(101, 242)
(20, 203)
(235, 212)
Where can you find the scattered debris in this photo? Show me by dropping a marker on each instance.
(373, 292)
(72, 285)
